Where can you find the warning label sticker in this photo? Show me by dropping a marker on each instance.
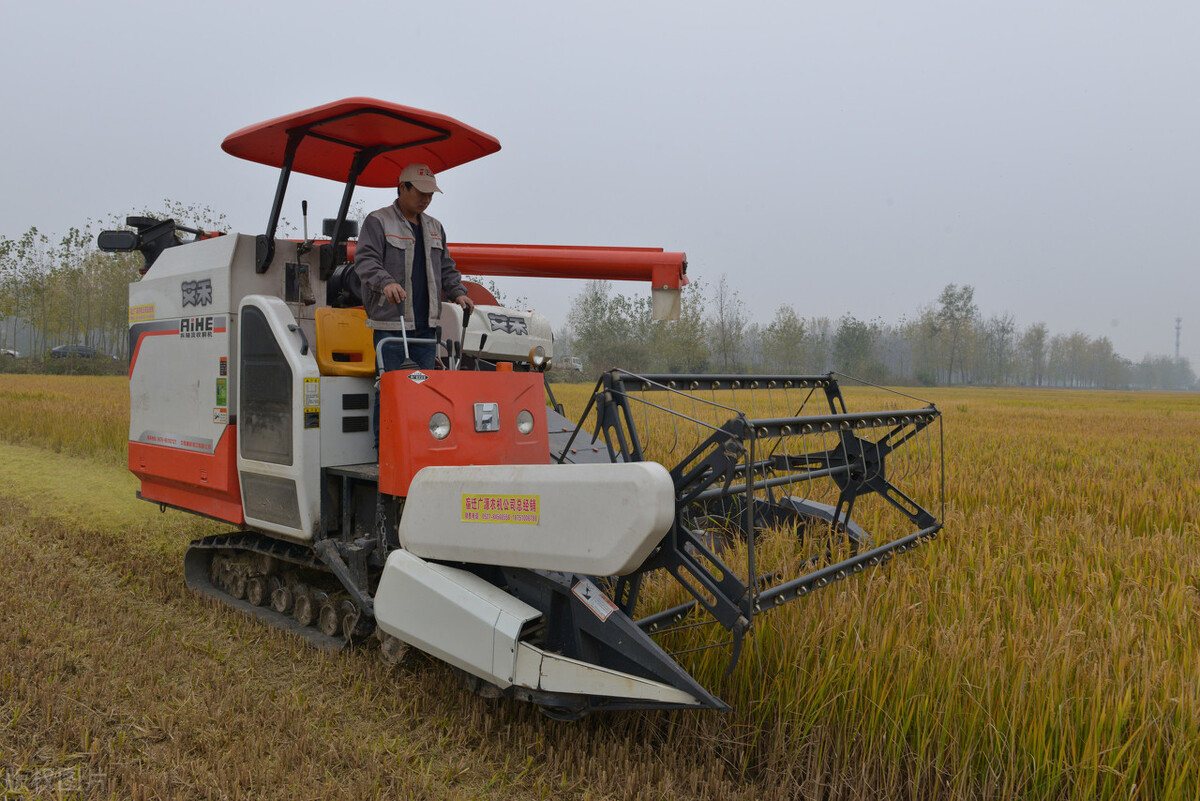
(312, 395)
(221, 416)
(141, 314)
(522, 509)
(595, 600)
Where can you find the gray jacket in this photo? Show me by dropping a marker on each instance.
(385, 254)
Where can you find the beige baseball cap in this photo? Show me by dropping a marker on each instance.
(420, 176)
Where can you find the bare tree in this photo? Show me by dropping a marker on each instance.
(728, 325)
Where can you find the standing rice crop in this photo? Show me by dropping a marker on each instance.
(77, 415)
(1043, 647)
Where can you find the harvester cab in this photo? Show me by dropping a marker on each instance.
(564, 562)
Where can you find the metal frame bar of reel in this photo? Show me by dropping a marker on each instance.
(586, 411)
(609, 423)
(616, 418)
(728, 454)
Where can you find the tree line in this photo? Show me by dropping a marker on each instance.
(948, 341)
(65, 291)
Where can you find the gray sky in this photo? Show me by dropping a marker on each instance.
(842, 158)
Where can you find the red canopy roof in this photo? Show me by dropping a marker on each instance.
(335, 132)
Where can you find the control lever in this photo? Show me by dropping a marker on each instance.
(408, 362)
(466, 319)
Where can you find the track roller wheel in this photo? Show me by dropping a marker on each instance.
(351, 618)
(282, 599)
(303, 608)
(258, 590)
(237, 585)
(329, 619)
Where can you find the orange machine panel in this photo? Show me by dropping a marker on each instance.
(202, 482)
(410, 398)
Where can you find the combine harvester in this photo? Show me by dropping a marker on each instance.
(561, 562)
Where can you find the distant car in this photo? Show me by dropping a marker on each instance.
(76, 351)
(10, 353)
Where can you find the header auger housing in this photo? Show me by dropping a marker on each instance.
(560, 562)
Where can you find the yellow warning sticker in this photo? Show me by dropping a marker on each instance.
(312, 395)
(522, 509)
(141, 314)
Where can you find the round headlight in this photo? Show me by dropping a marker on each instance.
(538, 358)
(439, 425)
(525, 421)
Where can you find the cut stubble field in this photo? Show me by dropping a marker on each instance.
(1043, 647)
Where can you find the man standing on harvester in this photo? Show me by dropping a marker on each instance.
(402, 261)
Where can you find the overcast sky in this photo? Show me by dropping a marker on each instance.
(840, 157)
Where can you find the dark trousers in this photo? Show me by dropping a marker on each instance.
(424, 354)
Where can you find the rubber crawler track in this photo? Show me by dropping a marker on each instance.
(198, 575)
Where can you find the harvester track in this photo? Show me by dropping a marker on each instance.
(284, 584)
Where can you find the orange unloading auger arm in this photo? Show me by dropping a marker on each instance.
(666, 271)
(662, 269)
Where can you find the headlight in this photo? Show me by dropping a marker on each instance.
(538, 358)
(525, 421)
(439, 425)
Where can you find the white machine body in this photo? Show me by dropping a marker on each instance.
(471, 624)
(593, 519)
(186, 380)
(497, 333)
(590, 519)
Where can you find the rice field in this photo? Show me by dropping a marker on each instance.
(1044, 647)
(77, 415)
